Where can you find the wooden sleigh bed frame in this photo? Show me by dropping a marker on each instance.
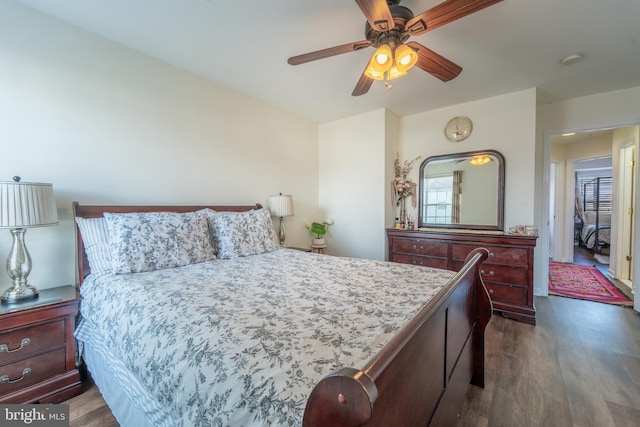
(419, 378)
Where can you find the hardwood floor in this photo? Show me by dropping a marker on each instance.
(89, 409)
(579, 366)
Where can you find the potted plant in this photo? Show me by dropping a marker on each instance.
(318, 230)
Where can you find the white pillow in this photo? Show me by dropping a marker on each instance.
(238, 234)
(95, 238)
(158, 240)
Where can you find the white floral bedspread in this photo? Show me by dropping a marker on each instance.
(242, 342)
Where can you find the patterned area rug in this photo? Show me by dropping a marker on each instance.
(583, 282)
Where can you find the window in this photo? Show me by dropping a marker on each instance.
(438, 193)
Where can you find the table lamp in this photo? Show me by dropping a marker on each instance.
(23, 205)
(281, 206)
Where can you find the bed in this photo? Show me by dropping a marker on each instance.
(277, 337)
(596, 214)
(596, 230)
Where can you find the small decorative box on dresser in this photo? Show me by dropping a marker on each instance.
(37, 348)
(507, 273)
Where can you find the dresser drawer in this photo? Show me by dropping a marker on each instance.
(30, 371)
(502, 274)
(420, 260)
(21, 343)
(419, 246)
(513, 295)
(498, 255)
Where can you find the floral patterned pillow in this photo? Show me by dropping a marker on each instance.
(238, 234)
(157, 240)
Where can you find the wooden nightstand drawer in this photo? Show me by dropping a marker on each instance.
(38, 357)
(24, 373)
(21, 343)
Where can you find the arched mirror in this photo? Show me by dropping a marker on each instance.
(464, 190)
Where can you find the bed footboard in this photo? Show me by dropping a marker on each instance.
(421, 376)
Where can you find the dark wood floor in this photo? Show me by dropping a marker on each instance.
(579, 366)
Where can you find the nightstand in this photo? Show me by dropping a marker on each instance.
(37, 348)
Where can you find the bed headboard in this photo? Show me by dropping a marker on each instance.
(96, 211)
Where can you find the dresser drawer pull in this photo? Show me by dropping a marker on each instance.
(490, 291)
(491, 254)
(6, 380)
(491, 273)
(4, 347)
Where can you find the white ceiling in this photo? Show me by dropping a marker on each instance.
(244, 44)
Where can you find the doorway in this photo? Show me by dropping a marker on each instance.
(593, 157)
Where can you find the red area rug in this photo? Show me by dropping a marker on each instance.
(583, 282)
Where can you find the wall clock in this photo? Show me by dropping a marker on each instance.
(458, 129)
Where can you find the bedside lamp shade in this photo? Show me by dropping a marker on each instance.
(281, 206)
(24, 205)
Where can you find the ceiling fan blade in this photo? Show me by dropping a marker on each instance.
(362, 86)
(444, 13)
(377, 13)
(434, 63)
(325, 53)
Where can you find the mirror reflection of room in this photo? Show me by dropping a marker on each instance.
(462, 190)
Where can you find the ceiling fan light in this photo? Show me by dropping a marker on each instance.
(373, 74)
(382, 59)
(405, 58)
(395, 73)
(480, 160)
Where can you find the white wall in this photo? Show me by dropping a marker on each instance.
(504, 123)
(354, 182)
(611, 109)
(106, 124)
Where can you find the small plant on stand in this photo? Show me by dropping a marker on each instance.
(318, 230)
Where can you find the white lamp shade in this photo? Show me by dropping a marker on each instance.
(281, 205)
(27, 204)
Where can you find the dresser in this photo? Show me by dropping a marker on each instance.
(507, 273)
(37, 348)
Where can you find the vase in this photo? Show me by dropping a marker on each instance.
(402, 204)
(318, 242)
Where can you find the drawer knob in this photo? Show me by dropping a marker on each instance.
(491, 254)
(4, 347)
(487, 274)
(6, 380)
(490, 291)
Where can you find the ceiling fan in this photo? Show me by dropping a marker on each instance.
(388, 27)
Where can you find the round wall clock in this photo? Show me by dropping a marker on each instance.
(458, 129)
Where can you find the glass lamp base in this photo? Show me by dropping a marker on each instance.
(17, 294)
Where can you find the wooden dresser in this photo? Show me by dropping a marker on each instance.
(507, 273)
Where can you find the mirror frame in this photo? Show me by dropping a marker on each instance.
(500, 184)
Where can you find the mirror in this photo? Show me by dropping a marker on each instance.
(464, 190)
